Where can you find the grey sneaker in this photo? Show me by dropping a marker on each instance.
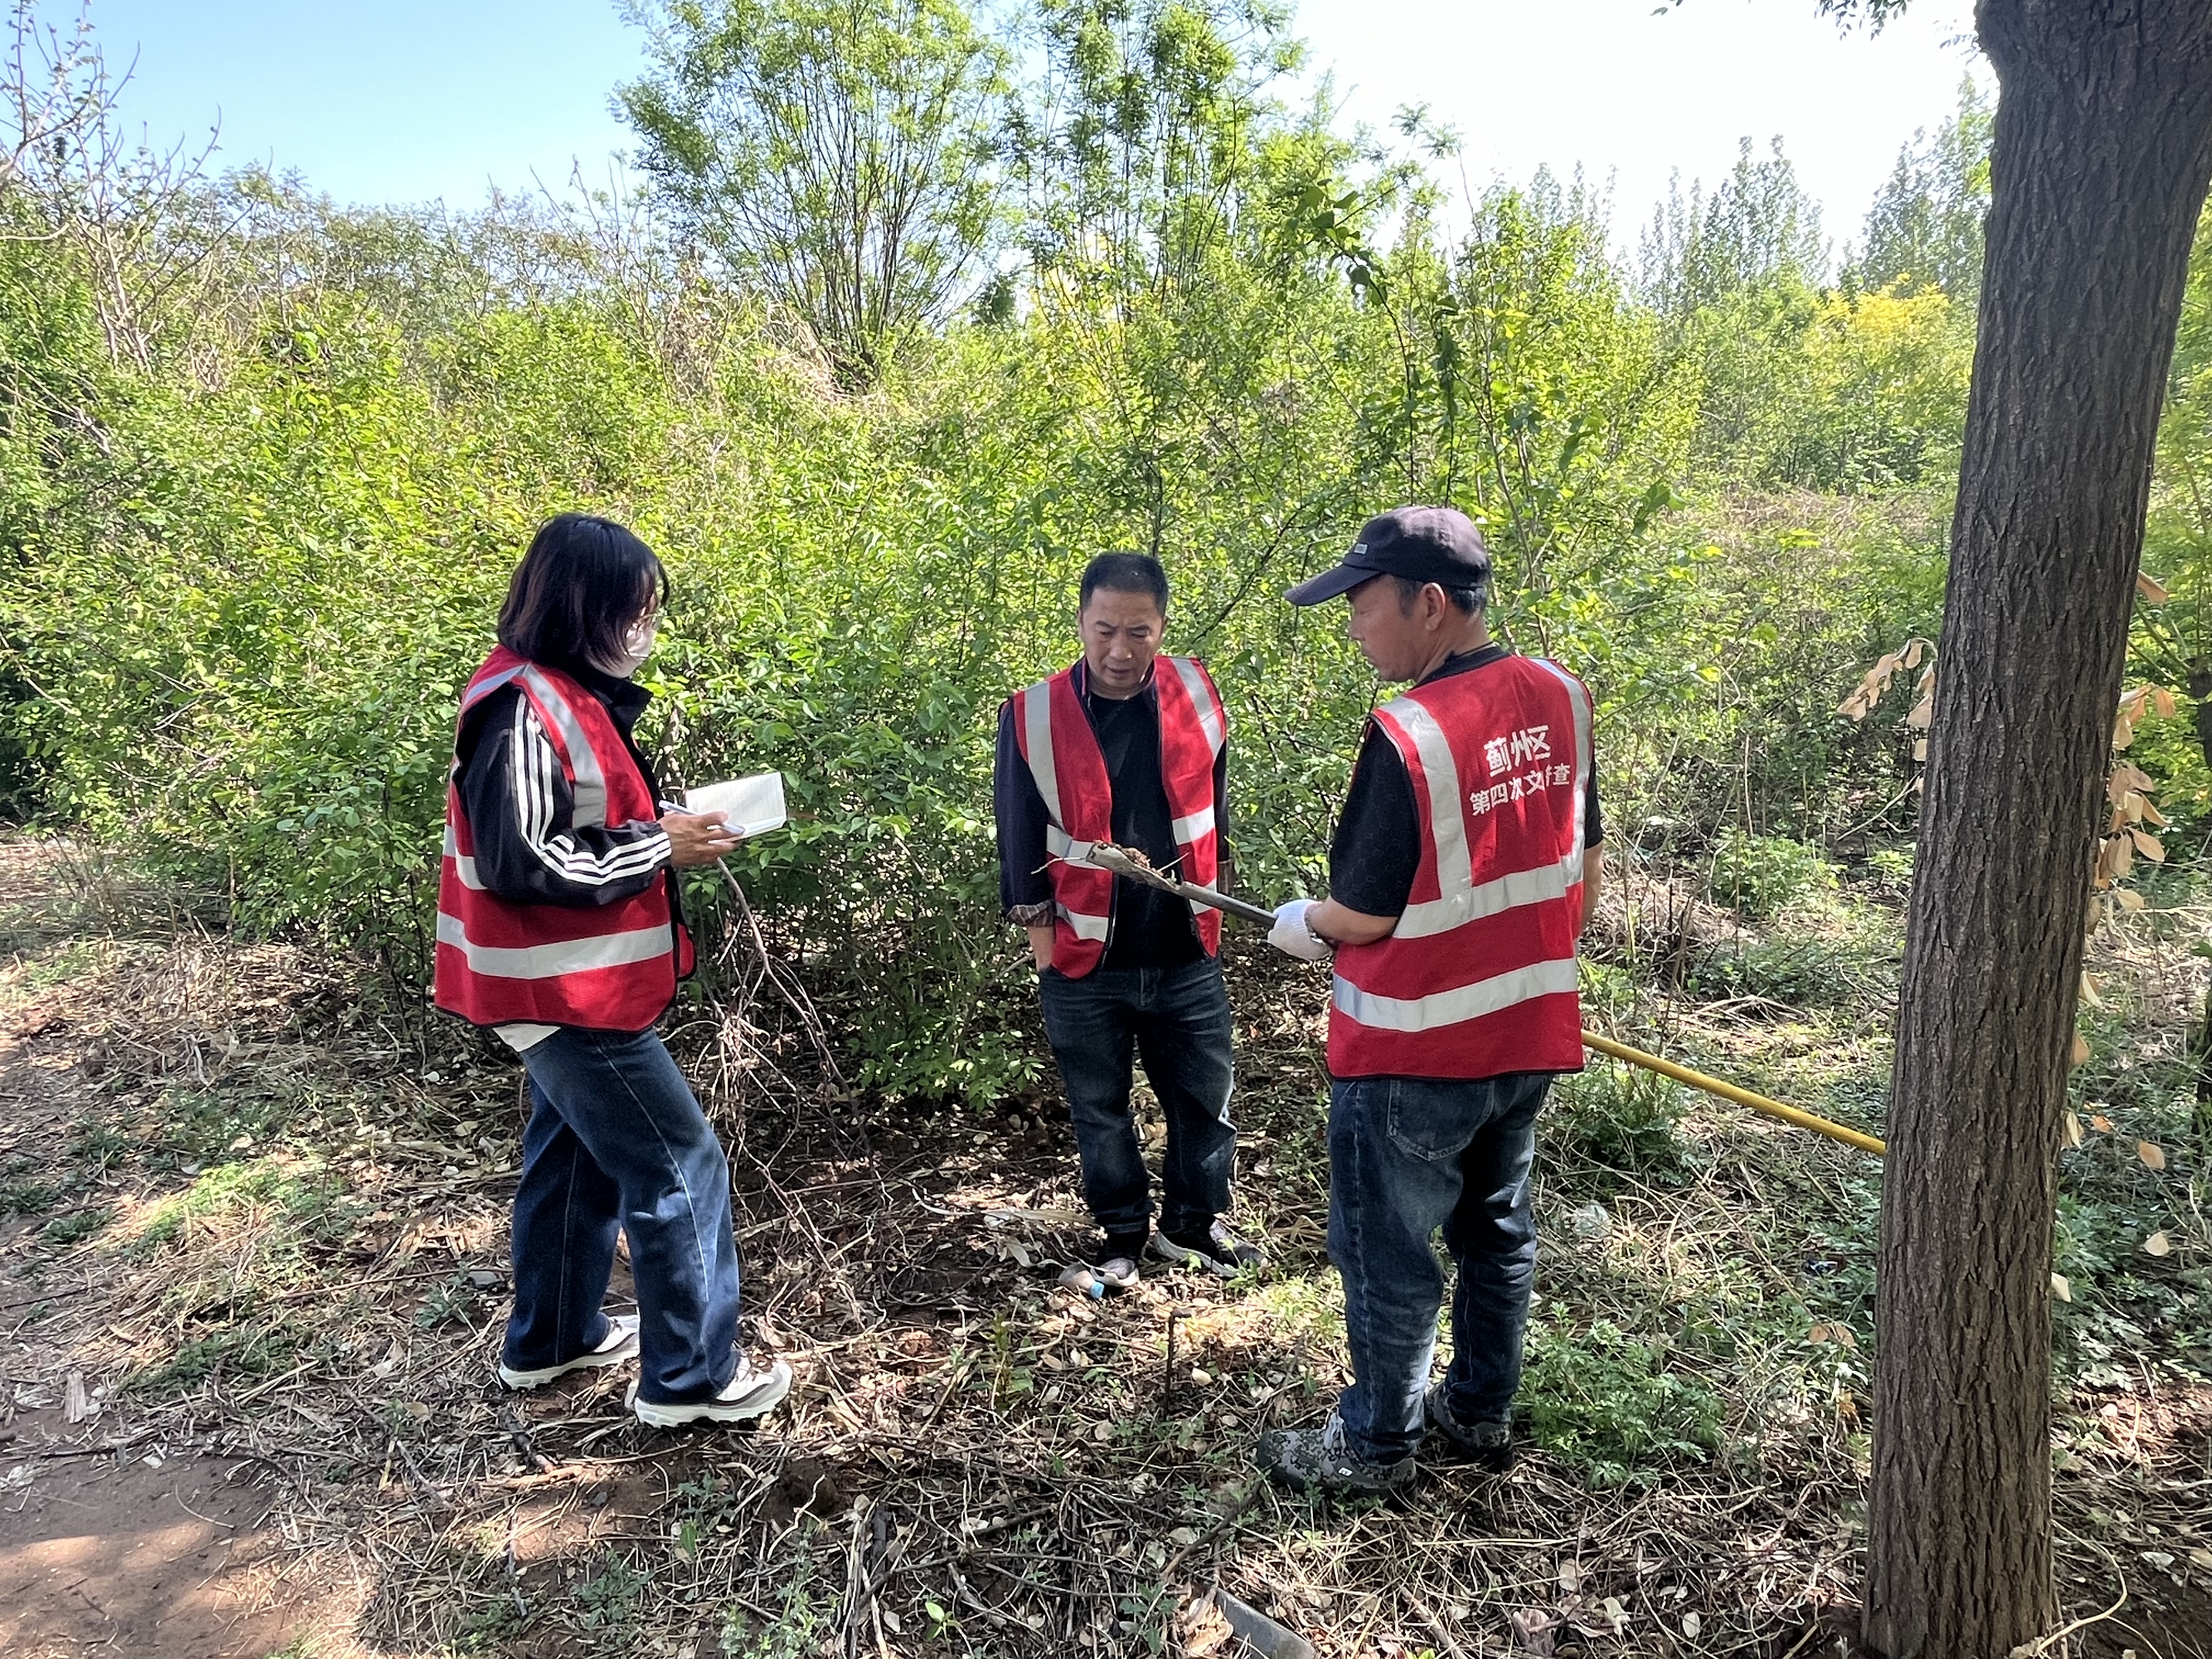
(1489, 1445)
(1218, 1251)
(1117, 1263)
(1321, 1460)
(752, 1392)
(619, 1343)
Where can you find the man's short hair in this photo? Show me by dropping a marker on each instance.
(1125, 572)
(1468, 601)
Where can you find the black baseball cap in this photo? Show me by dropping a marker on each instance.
(1437, 544)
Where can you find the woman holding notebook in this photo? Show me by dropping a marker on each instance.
(559, 928)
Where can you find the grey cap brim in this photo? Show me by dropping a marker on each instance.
(1329, 585)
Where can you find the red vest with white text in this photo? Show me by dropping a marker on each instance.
(1064, 757)
(1478, 979)
(608, 967)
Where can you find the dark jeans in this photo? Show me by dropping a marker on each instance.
(1177, 1020)
(1408, 1156)
(617, 1141)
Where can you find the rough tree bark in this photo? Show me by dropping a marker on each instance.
(2102, 150)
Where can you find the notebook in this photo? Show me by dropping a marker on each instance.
(748, 806)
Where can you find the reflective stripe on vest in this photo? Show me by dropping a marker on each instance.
(1479, 977)
(1065, 761)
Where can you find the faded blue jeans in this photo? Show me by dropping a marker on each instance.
(1176, 1020)
(1408, 1156)
(616, 1142)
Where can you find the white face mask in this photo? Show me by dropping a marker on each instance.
(636, 646)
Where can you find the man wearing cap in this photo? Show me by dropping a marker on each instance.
(1127, 745)
(1464, 865)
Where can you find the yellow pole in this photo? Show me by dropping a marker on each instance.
(1713, 1086)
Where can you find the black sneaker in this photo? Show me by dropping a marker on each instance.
(1217, 1251)
(1321, 1460)
(1487, 1445)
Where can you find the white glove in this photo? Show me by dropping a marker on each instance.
(1293, 937)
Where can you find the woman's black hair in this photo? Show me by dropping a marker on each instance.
(583, 582)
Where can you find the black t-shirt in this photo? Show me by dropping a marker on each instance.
(1152, 929)
(1377, 849)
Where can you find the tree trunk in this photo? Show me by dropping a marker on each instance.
(2103, 146)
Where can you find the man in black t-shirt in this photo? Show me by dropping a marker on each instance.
(1464, 867)
(1127, 746)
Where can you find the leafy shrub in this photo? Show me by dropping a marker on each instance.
(1618, 1117)
(1764, 875)
(1604, 1402)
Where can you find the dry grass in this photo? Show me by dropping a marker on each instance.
(296, 1258)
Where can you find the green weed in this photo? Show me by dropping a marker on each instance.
(1617, 1118)
(1764, 875)
(78, 1224)
(1607, 1404)
(805, 1609)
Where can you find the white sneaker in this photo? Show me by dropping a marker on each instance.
(620, 1343)
(748, 1395)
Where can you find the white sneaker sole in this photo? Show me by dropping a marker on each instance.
(526, 1381)
(669, 1415)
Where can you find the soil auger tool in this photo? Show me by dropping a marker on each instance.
(1123, 861)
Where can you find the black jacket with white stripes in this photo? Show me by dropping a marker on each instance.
(521, 810)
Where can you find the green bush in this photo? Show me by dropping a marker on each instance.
(1763, 875)
(1604, 1402)
(1618, 1117)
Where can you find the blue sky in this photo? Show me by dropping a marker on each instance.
(408, 101)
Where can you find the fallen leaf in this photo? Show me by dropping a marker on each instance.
(1534, 1631)
(2078, 1055)
(2101, 1123)
(1203, 1630)
(1571, 1577)
(76, 1405)
(1692, 1625)
(2073, 1130)
(2060, 1288)
(2153, 1155)
(2158, 1244)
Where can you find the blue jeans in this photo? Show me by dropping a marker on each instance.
(1408, 1156)
(616, 1142)
(1177, 1021)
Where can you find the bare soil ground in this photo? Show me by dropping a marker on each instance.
(252, 1224)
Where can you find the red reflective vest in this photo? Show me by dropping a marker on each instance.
(608, 968)
(1478, 979)
(1064, 757)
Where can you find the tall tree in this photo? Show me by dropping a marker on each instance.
(2103, 146)
(836, 152)
(1924, 230)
